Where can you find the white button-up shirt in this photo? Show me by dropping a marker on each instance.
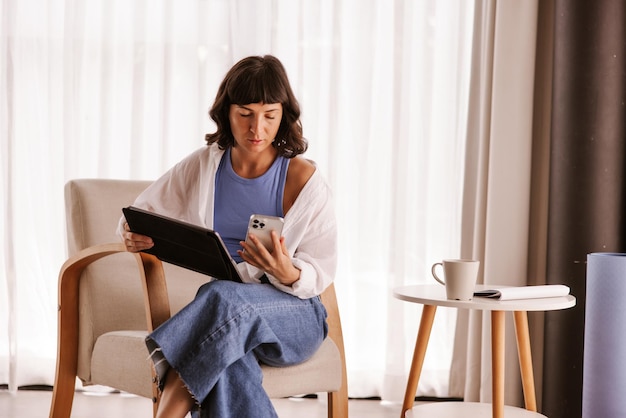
(186, 192)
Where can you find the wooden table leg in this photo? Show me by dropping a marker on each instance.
(497, 363)
(423, 335)
(525, 359)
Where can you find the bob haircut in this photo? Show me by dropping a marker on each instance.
(258, 79)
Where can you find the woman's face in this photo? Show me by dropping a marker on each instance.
(255, 126)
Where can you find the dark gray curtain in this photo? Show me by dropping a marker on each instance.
(587, 200)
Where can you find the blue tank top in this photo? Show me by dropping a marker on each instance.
(236, 198)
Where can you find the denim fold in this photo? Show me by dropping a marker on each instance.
(217, 341)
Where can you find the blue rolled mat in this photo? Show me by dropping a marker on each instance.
(604, 367)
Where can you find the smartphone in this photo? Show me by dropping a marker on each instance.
(262, 226)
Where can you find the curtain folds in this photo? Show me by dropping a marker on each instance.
(117, 89)
(540, 176)
(587, 169)
(497, 183)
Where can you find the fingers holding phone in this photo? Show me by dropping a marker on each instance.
(261, 226)
(272, 257)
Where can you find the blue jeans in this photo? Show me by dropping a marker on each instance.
(217, 341)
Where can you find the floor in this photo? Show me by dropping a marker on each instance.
(36, 404)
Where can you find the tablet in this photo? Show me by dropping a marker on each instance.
(183, 244)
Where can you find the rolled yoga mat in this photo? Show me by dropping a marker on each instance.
(604, 367)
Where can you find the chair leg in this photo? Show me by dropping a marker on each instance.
(62, 395)
(156, 393)
(67, 345)
(338, 403)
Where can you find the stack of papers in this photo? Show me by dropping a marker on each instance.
(525, 292)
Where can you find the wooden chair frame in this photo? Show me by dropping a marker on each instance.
(157, 308)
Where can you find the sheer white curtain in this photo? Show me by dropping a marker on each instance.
(121, 89)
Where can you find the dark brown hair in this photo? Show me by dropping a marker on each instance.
(258, 80)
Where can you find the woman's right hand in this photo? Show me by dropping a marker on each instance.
(135, 242)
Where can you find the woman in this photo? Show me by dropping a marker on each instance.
(207, 355)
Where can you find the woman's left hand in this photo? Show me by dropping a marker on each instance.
(277, 262)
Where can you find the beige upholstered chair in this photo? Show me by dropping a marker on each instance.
(109, 299)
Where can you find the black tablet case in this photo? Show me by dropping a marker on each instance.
(183, 244)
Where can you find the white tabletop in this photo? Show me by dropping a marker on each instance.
(466, 409)
(435, 294)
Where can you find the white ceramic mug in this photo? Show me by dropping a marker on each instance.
(459, 278)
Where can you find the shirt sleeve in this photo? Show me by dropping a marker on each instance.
(311, 236)
(183, 192)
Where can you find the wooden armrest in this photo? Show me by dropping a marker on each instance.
(156, 298)
(151, 275)
(156, 304)
(337, 401)
(329, 299)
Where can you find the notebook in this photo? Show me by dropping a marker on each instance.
(525, 292)
(183, 244)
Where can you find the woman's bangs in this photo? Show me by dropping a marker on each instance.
(257, 90)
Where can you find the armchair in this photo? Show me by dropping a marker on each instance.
(110, 299)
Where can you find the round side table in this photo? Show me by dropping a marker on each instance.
(434, 295)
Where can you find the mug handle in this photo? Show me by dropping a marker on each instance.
(432, 270)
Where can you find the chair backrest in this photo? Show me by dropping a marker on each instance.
(93, 208)
(110, 295)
